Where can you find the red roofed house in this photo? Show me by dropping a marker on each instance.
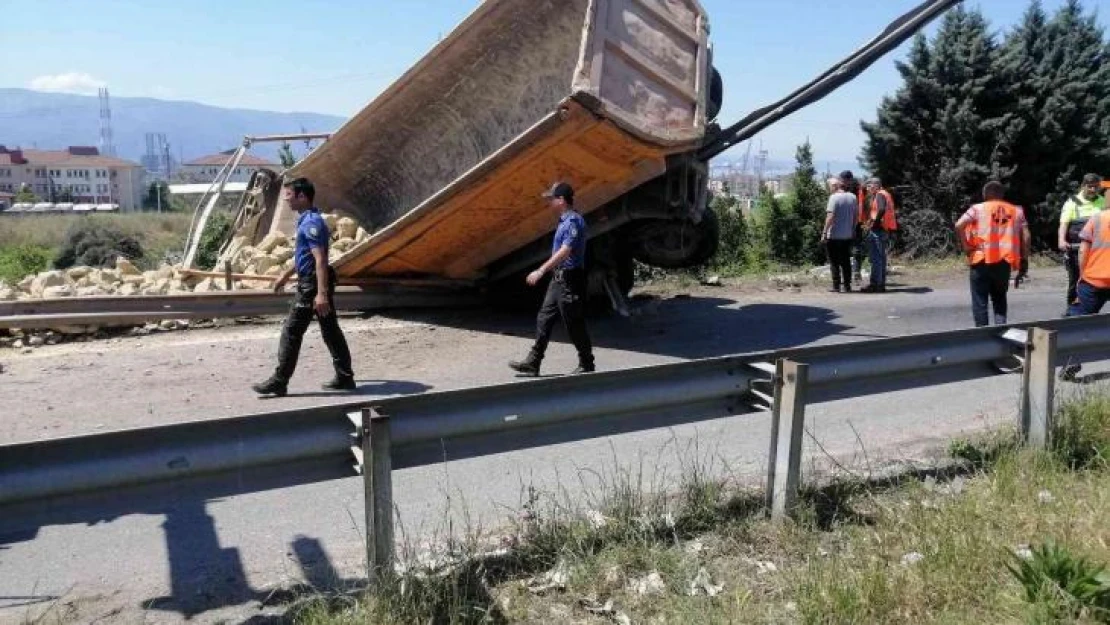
(205, 168)
(79, 174)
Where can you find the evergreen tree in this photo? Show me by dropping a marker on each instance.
(1059, 72)
(807, 203)
(936, 142)
(735, 245)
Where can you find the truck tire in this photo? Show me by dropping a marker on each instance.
(674, 244)
(716, 96)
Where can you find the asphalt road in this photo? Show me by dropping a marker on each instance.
(181, 556)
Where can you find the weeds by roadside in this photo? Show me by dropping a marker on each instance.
(1017, 536)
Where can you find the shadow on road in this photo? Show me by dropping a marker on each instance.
(372, 388)
(203, 574)
(681, 326)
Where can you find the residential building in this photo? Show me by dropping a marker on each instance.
(77, 174)
(206, 168)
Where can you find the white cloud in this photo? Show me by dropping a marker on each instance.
(72, 82)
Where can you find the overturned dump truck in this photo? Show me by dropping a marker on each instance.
(618, 97)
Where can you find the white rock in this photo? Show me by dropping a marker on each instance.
(35, 340)
(650, 584)
(25, 284)
(126, 267)
(263, 264)
(271, 241)
(76, 273)
(165, 272)
(555, 579)
(282, 254)
(7, 293)
(596, 519)
(361, 235)
(134, 279)
(46, 280)
(207, 285)
(1023, 552)
(912, 558)
(58, 291)
(1046, 497)
(703, 583)
(128, 289)
(345, 228)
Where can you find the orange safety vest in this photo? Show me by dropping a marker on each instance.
(1096, 265)
(997, 236)
(868, 213)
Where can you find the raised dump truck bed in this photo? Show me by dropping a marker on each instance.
(447, 165)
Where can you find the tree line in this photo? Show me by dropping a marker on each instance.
(1029, 107)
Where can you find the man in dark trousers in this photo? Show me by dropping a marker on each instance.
(314, 296)
(566, 293)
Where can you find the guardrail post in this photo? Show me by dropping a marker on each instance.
(1038, 387)
(377, 493)
(787, 424)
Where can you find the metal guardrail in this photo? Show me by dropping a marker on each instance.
(110, 310)
(412, 431)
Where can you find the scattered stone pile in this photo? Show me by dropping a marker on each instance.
(272, 256)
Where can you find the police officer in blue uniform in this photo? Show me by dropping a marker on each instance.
(566, 293)
(314, 296)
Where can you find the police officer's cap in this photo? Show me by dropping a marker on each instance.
(560, 189)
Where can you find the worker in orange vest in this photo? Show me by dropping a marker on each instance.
(996, 238)
(877, 217)
(1093, 289)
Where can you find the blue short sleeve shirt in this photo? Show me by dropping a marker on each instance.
(572, 233)
(312, 232)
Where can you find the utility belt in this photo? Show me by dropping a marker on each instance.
(307, 282)
(1075, 227)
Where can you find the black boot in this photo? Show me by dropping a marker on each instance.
(272, 386)
(528, 366)
(340, 383)
(582, 369)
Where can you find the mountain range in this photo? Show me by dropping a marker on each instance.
(34, 119)
(41, 120)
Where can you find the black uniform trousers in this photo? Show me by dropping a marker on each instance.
(989, 282)
(1071, 262)
(566, 298)
(300, 316)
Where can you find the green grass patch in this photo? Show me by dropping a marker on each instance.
(1018, 536)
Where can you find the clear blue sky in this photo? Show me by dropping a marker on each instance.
(333, 56)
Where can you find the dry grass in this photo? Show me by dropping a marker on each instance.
(909, 551)
(159, 234)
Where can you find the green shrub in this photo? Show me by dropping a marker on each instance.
(215, 232)
(19, 261)
(96, 245)
(1062, 584)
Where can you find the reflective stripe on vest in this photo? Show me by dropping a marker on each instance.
(997, 237)
(1096, 266)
